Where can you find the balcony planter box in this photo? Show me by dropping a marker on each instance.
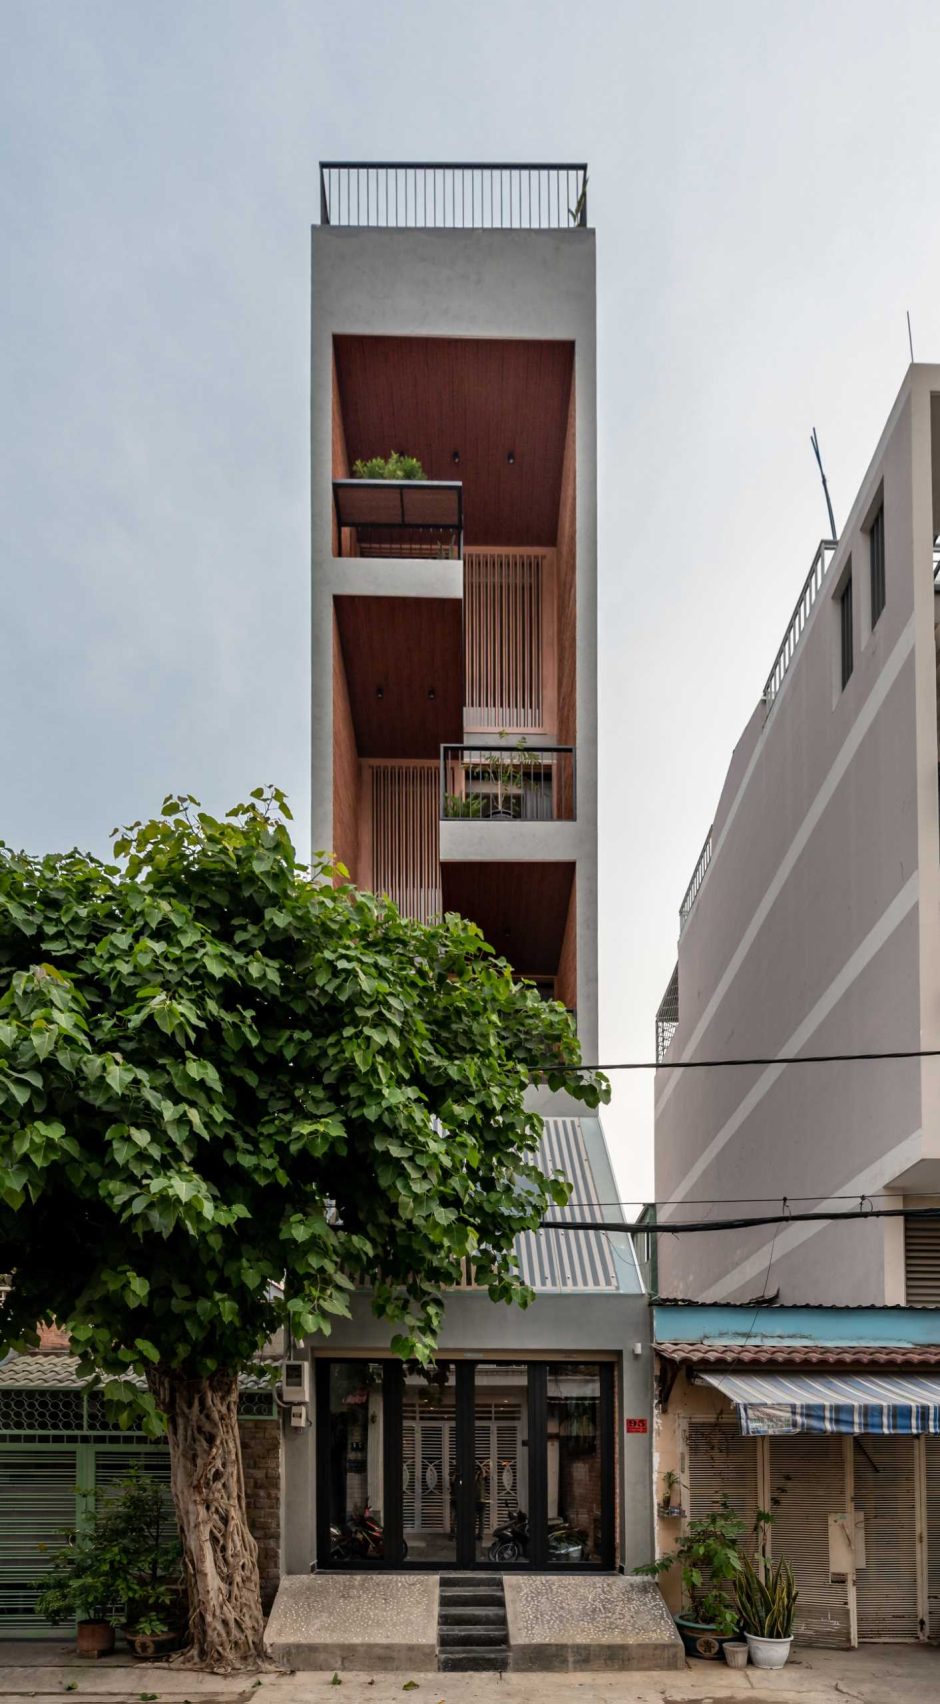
(768, 1653)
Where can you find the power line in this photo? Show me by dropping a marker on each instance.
(770, 1059)
(683, 1227)
(753, 1200)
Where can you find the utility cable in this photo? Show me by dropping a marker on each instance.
(769, 1059)
(682, 1227)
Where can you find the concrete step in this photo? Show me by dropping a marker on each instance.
(482, 1615)
(466, 1580)
(452, 1638)
(475, 1661)
(463, 1597)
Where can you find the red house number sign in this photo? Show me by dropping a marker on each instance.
(636, 1426)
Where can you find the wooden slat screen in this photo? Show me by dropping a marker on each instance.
(504, 615)
(406, 863)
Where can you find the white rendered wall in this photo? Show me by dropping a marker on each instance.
(816, 931)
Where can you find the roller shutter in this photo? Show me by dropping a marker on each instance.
(807, 1483)
(37, 1498)
(885, 1492)
(932, 1448)
(722, 1464)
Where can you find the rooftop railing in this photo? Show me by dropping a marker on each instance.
(799, 618)
(787, 650)
(667, 1017)
(472, 196)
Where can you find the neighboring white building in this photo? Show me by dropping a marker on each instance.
(812, 926)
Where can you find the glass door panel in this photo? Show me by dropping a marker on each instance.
(500, 1477)
(575, 1480)
(355, 1465)
(429, 1464)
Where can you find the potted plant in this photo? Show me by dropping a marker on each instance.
(670, 1507)
(709, 1556)
(766, 1607)
(121, 1567)
(393, 466)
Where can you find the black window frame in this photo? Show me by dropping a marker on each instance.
(846, 633)
(876, 559)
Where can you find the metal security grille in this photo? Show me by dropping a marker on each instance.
(37, 1499)
(503, 614)
(876, 545)
(885, 1492)
(42, 1411)
(667, 1017)
(922, 1262)
(429, 1452)
(406, 861)
(807, 1481)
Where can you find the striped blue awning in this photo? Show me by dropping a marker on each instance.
(774, 1404)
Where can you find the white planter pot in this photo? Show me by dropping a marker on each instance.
(768, 1653)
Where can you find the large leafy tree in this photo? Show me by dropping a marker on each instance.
(230, 1090)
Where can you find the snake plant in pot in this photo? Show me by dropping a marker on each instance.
(766, 1608)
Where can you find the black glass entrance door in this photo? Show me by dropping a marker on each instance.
(465, 1464)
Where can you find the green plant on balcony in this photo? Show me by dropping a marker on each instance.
(393, 466)
(463, 805)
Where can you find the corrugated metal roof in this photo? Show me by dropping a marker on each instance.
(800, 1354)
(568, 1260)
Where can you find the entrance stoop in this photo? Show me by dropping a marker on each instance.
(422, 1622)
(600, 1621)
(471, 1629)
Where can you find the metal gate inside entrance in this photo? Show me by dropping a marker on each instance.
(464, 1464)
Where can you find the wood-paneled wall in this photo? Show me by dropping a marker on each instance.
(345, 767)
(340, 464)
(566, 979)
(566, 580)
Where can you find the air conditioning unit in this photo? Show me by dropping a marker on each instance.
(295, 1381)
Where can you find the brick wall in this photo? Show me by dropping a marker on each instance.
(261, 1458)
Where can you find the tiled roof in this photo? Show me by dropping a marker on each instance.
(38, 1371)
(800, 1354)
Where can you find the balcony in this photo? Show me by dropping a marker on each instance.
(411, 195)
(508, 783)
(391, 519)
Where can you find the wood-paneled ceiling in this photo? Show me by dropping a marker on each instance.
(488, 399)
(521, 908)
(409, 650)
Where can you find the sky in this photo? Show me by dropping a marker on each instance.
(764, 186)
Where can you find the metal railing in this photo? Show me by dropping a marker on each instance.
(667, 1018)
(698, 876)
(510, 783)
(394, 518)
(804, 603)
(478, 195)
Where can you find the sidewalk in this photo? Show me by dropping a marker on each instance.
(885, 1674)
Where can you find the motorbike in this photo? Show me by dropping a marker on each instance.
(511, 1541)
(362, 1536)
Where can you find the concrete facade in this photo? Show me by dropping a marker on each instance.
(816, 929)
(530, 285)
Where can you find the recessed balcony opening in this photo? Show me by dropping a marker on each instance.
(492, 424)
(527, 912)
(524, 782)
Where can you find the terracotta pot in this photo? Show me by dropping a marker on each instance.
(94, 1638)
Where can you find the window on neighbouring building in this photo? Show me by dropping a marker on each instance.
(922, 1262)
(876, 547)
(845, 631)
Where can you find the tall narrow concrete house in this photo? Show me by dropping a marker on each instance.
(454, 768)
